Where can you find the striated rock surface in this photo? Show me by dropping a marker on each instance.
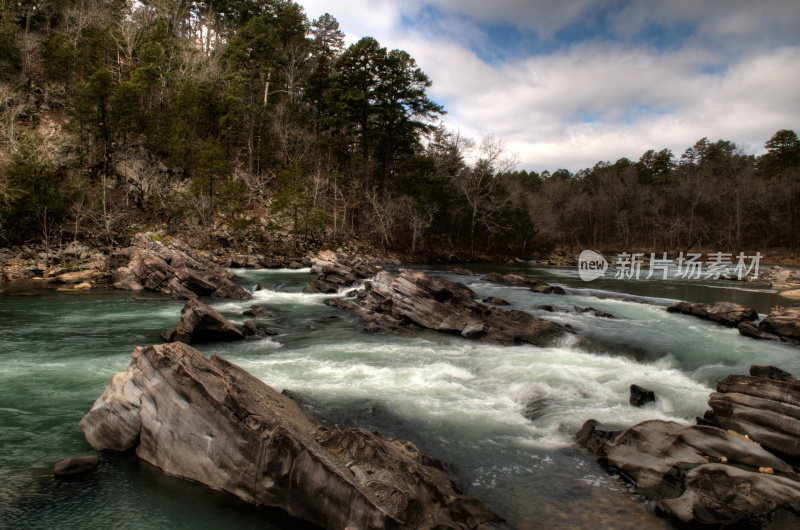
(160, 265)
(202, 323)
(737, 471)
(516, 280)
(765, 406)
(783, 322)
(412, 300)
(337, 269)
(208, 420)
(725, 313)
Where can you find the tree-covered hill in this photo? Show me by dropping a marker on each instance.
(237, 120)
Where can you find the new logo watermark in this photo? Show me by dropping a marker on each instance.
(688, 266)
(591, 265)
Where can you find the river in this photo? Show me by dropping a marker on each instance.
(504, 417)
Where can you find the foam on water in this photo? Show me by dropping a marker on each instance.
(484, 389)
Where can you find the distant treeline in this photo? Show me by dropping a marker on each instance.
(239, 119)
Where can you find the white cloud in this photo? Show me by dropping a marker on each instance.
(597, 100)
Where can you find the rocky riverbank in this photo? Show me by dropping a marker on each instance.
(781, 324)
(737, 467)
(208, 420)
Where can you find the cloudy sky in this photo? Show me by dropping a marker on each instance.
(568, 83)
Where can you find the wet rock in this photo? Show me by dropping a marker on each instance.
(783, 322)
(208, 420)
(771, 372)
(464, 272)
(202, 323)
(698, 474)
(765, 409)
(516, 280)
(535, 408)
(253, 330)
(513, 280)
(295, 265)
(640, 396)
(257, 311)
(594, 436)
(75, 466)
(575, 310)
(548, 289)
(161, 265)
(496, 300)
(748, 329)
(412, 300)
(725, 313)
(320, 286)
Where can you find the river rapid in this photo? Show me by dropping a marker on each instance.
(503, 417)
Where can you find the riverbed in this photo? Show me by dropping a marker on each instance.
(503, 417)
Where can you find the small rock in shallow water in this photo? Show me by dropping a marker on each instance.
(496, 300)
(75, 466)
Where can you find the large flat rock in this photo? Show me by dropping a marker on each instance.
(737, 469)
(208, 420)
(413, 300)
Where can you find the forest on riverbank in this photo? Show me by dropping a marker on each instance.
(241, 122)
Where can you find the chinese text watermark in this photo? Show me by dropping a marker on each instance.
(687, 266)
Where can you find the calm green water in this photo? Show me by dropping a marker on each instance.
(461, 401)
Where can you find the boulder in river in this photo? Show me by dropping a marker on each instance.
(641, 396)
(161, 265)
(736, 469)
(699, 475)
(412, 300)
(725, 313)
(202, 323)
(207, 420)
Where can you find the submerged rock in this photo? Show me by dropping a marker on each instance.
(161, 265)
(75, 466)
(413, 300)
(202, 323)
(725, 313)
(516, 280)
(575, 310)
(208, 420)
